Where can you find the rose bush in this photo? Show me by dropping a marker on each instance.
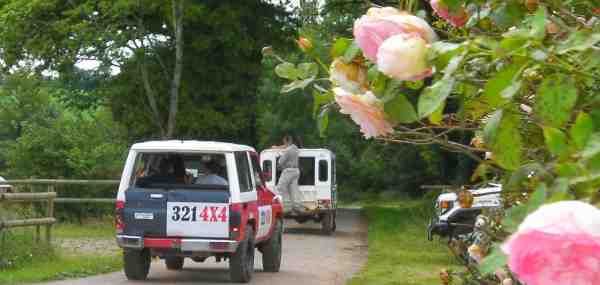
(520, 79)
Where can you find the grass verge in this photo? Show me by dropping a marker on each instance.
(98, 229)
(35, 262)
(399, 252)
(61, 267)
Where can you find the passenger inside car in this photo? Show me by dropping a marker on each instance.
(211, 176)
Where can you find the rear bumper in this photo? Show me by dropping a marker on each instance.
(183, 244)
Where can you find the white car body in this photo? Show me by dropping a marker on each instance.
(453, 219)
(319, 187)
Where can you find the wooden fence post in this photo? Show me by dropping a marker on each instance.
(50, 214)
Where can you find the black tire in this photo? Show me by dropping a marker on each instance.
(174, 262)
(271, 250)
(241, 262)
(327, 223)
(136, 263)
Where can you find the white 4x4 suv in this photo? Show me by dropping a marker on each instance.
(196, 199)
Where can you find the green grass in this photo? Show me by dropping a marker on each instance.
(399, 252)
(32, 262)
(101, 229)
(61, 267)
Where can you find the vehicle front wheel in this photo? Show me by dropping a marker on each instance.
(327, 223)
(174, 262)
(272, 249)
(241, 262)
(136, 263)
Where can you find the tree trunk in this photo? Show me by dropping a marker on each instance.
(151, 98)
(177, 6)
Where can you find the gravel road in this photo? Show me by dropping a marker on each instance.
(308, 258)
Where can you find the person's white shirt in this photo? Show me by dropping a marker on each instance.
(211, 179)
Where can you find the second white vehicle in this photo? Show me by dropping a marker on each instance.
(317, 183)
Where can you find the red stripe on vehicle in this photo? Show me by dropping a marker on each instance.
(162, 242)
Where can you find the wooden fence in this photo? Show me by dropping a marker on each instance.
(47, 221)
(50, 197)
(51, 183)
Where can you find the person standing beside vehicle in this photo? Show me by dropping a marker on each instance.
(290, 173)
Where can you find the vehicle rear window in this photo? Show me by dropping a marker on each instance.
(323, 171)
(180, 170)
(307, 171)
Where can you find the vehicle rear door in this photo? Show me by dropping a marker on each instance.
(200, 210)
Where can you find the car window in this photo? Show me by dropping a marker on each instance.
(307, 171)
(268, 168)
(243, 170)
(256, 170)
(323, 171)
(180, 170)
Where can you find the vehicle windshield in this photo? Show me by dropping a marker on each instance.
(180, 170)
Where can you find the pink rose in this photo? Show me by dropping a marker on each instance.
(456, 18)
(559, 244)
(365, 110)
(404, 57)
(372, 29)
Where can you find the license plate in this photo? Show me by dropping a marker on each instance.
(144, 216)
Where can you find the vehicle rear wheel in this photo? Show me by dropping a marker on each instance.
(327, 223)
(136, 263)
(241, 262)
(272, 249)
(174, 262)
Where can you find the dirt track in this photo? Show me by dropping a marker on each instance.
(308, 258)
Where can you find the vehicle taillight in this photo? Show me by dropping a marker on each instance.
(235, 220)
(325, 203)
(119, 224)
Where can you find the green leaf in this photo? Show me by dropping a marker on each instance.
(400, 110)
(538, 23)
(579, 41)
(592, 148)
(351, 52)
(320, 100)
(307, 70)
(559, 191)
(287, 70)
(440, 53)
(501, 134)
(582, 130)
(433, 96)
(297, 84)
(508, 14)
(453, 65)
(516, 214)
(437, 116)
(568, 169)
(323, 122)
(556, 141)
(340, 46)
(494, 94)
(496, 259)
(555, 99)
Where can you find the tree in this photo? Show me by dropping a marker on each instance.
(149, 34)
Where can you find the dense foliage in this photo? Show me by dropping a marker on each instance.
(522, 77)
